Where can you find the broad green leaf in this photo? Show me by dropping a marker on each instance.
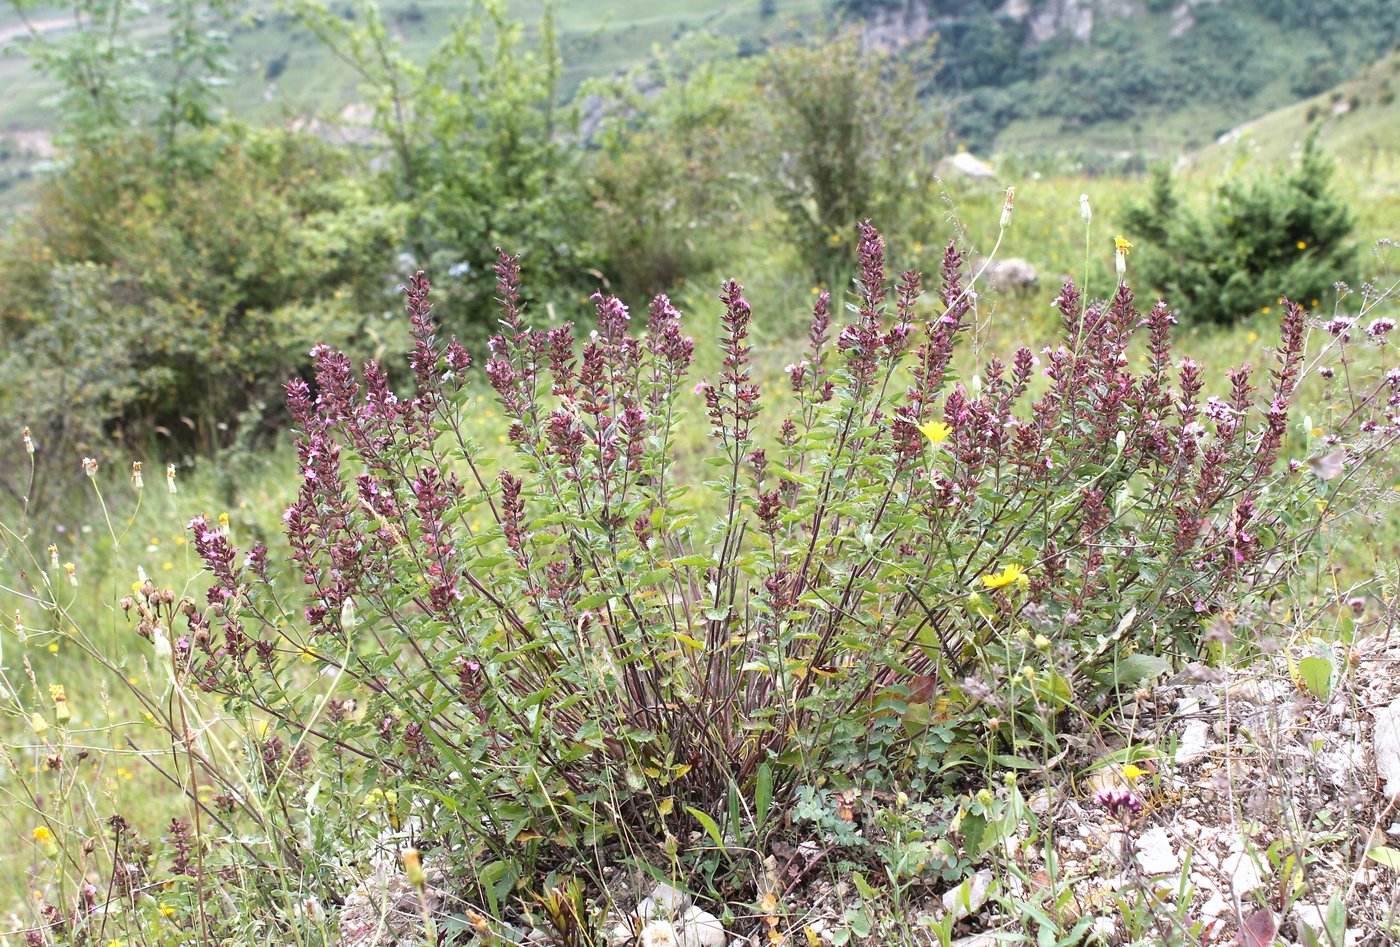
(1315, 672)
(1389, 857)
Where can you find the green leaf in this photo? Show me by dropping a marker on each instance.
(1315, 672)
(1136, 668)
(1389, 857)
(763, 793)
(710, 826)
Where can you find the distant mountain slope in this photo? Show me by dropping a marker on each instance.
(1359, 120)
(1155, 77)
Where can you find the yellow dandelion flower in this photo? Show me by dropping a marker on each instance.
(42, 835)
(1121, 244)
(1302, 244)
(936, 431)
(1005, 577)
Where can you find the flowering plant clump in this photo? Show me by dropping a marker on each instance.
(622, 657)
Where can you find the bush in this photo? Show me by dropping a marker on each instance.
(848, 140)
(1281, 235)
(476, 147)
(674, 174)
(586, 660)
(174, 292)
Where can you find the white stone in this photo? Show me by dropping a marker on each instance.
(968, 896)
(1195, 743)
(1310, 916)
(977, 940)
(700, 929)
(1009, 275)
(1154, 852)
(1243, 871)
(1215, 906)
(658, 934)
(672, 900)
(966, 165)
(1387, 748)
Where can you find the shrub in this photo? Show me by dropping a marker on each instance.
(1285, 234)
(585, 659)
(179, 296)
(673, 177)
(848, 140)
(476, 146)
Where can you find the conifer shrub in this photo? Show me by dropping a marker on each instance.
(1283, 234)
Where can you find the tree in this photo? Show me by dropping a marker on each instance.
(480, 150)
(847, 141)
(1282, 234)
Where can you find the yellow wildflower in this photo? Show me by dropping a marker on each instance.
(42, 835)
(1121, 245)
(1005, 577)
(1302, 244)
(936, 431)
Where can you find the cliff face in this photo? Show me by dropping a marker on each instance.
(890, 24)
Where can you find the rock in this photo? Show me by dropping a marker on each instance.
(1010, 275)
(671, 900)
(977, 940)
(1243, 872)
(1387, 748)
(968, 896)
(658, 934)
(1195, 743)
(1216, 906)
(1154, 852)
(386, 913)
(965, 165)
(700, 929)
